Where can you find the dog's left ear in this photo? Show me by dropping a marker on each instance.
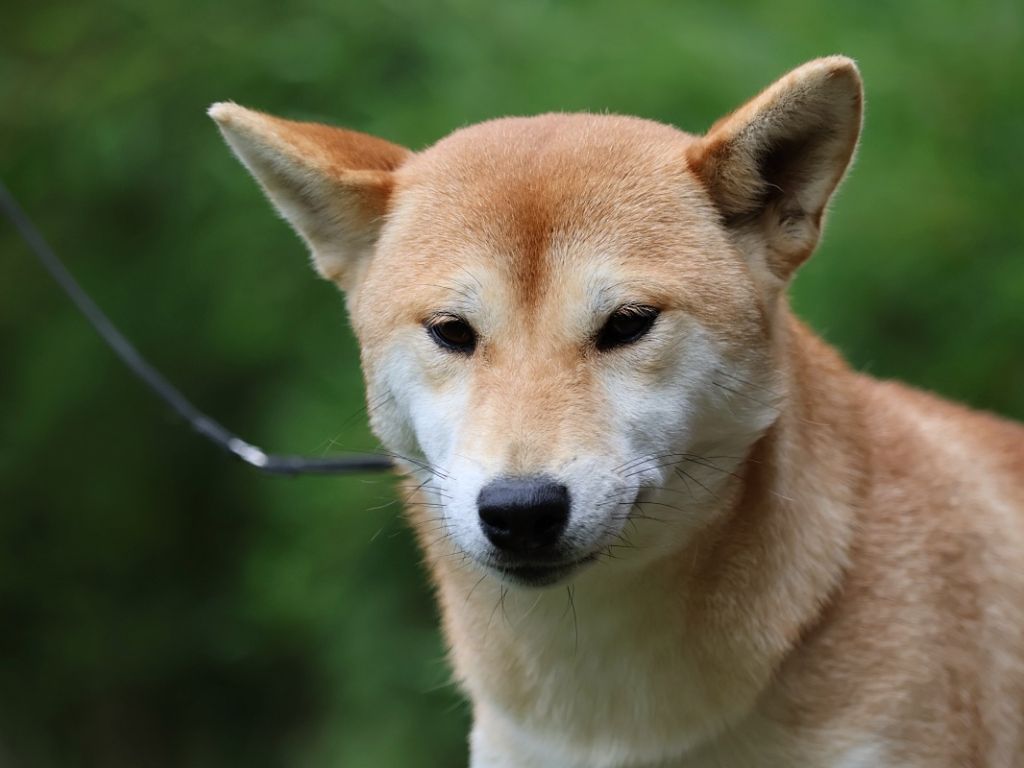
(332, 185)
(772, 165)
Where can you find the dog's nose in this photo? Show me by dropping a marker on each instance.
(523, 514)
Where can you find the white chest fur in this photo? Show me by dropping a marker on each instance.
(598, 674)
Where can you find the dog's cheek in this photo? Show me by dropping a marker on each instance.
(417, 399)
(684, 403)
(656, 399)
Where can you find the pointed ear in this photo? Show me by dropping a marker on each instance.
(333, 186)
(771, 166)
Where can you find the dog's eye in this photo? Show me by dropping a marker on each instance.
(626, 325)
(453, 333)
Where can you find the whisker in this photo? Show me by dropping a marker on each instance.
(642, 516)
(494, 610)
(571, 592)
(421, 463)
(423, 485)
(501, 601)
(734, 377)
(705, 463)
(478, 583)
(649, 469)
(749, 397)
(385, 505)
(693, 458)
(681, 472)
(688, 488)
(640, 460)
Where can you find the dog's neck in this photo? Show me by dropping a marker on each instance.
(771, 560)
(705, 626)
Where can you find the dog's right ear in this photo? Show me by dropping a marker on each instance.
(333, 186)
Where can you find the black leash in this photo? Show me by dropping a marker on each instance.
(213, 431)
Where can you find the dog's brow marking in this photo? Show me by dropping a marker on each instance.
(466, 292)
(474, 278)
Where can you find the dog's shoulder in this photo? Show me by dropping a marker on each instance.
(912, 429)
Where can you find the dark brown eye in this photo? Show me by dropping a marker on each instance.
(626, 325)
(453, 333)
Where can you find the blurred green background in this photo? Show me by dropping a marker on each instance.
(161, 605)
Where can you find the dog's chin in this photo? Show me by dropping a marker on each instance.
(537, 575)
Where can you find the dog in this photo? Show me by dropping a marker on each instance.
(667, 524)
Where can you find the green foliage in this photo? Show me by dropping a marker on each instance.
(161, 606)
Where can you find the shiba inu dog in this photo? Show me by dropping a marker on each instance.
(667, 525)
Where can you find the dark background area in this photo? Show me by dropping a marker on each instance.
(161, 605)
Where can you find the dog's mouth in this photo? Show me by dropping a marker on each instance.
(532, 574)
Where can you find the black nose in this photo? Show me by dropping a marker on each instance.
(522, 514)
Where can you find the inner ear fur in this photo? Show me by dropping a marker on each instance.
(332, 185)
(771, 166)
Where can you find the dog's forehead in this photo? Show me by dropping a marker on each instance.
(551, 141)
(555, 167)
(537, 197)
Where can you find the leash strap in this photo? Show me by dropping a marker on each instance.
(209, 428)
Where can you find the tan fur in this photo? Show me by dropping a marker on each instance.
(831, 570)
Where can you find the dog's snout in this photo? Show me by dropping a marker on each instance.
(523, 514)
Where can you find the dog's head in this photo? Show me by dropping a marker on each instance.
(568, 323)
